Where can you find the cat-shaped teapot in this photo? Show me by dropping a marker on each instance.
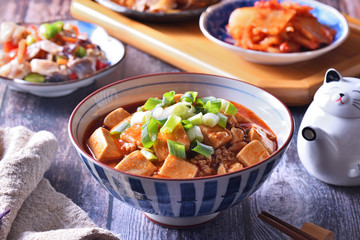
(328, 142)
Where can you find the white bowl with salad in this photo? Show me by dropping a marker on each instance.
(56, 58)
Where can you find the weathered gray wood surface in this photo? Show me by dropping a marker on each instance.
(290, 193)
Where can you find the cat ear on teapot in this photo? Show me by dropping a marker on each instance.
(332, 75)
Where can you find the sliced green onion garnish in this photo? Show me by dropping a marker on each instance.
(210, 119)
(231, 109)
(181, 109)
(149, 133)
(170, 124)
(151, 103)
(197, 119)
(168, 98)
(157, 112)
(120, 128)
(189, 97)
(186, 124)
(202, 101)
(224, 104)
(139, 109)
(176, 149)
(161, 122)
(203, 149)
(213, 106)
(140, 118)
(222, 120)
(195, 133)
(148, 154)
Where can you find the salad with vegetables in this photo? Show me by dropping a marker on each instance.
(181, 136)
(51, 52)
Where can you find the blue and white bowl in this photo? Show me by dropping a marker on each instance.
(181, 202)
(213, 21)
(114, 51)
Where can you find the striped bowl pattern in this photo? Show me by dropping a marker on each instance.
(183, 198)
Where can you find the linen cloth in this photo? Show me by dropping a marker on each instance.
(37, 210)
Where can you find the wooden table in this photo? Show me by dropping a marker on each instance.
(290, 193)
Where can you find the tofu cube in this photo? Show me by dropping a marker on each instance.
(252, 153)
(102, 145)
(115, 117)
(221, 169)
(215, 136)
(132, 135)
(235, 167)
(178, 135)
(175, 167)
(258, 133)
(136, 163)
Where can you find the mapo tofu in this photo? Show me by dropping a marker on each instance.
(181, 136)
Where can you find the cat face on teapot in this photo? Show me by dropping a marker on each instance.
(339, 96)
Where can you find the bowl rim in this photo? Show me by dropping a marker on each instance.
(205, 15)
(21, 82)
(89, 157)
(155, 16)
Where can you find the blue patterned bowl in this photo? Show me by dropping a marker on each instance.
(185, 202)
(213, 21)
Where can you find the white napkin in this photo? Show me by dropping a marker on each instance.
(37, 210)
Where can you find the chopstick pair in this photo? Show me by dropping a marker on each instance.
(288, 229)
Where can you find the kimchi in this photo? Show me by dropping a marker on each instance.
(284, 27)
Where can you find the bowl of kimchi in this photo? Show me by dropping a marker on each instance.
(56, 58)
(181, 147)
(275, 31)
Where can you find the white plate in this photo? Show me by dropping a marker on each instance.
(113, 49)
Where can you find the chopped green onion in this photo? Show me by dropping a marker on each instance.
(157, 112)
(189, 97)
(140, 118)
(151, 103)
(120, 128)
(195, 133)
(139, 109)
(168, 98)
(176, 149)
(202, 101)
(222, 120)
(161, 122)
(224, 104)
(186, 124)
(149, 133)
(197, 119)
(148, 154)
(210, 119)
(170, 124)
(213, 106)
(181, 109)
(203, 149)
(231, 109)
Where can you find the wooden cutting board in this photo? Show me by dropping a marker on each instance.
(184, 46)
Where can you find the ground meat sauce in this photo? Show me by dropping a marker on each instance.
(238, 133)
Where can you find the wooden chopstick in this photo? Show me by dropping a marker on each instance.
(285, 227)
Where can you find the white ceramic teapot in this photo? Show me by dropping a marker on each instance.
(328, 142)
